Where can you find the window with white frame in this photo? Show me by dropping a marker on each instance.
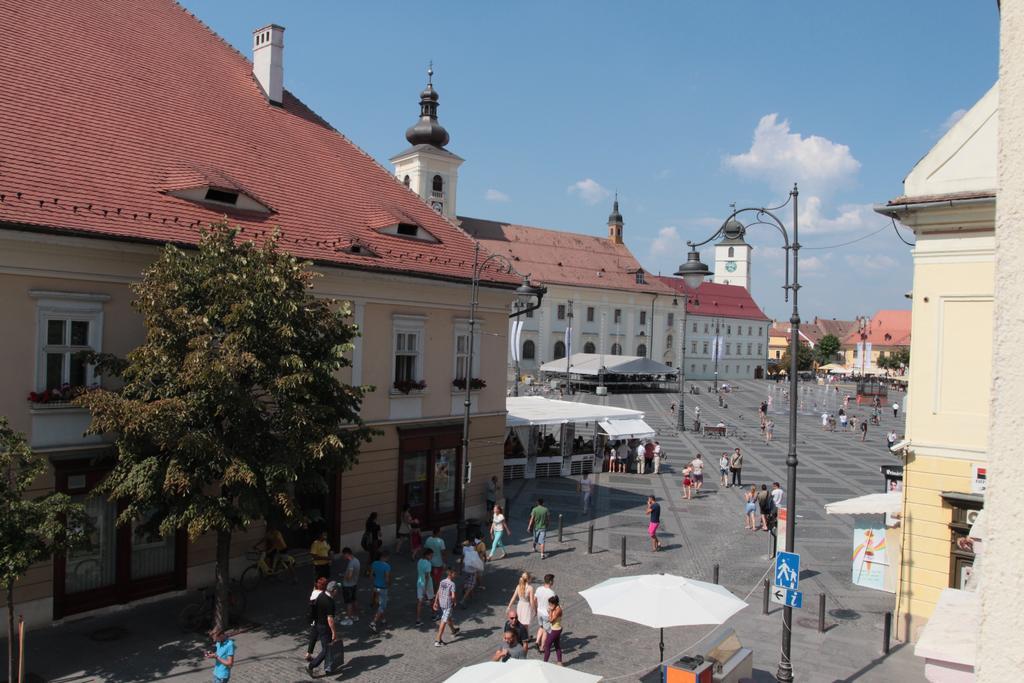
(408, 348)
(69, 323)
(760, 347)
(462, 348)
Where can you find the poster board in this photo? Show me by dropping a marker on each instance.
(870, 557)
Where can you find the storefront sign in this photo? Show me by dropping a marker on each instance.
(979, 477)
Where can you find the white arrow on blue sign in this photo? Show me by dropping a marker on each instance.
(787, 570)
(787, 597)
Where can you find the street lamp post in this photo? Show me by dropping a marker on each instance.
(681, 414)
(524, 294)
(694, 272)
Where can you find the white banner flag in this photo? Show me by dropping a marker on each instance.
(867, 354)
(515, 333)
(716, 352)
(568, 342)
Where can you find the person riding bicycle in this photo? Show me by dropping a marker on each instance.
(273, 545)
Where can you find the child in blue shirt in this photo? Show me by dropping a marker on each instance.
(223, 656)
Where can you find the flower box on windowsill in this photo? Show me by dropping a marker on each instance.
(475, 384)
(408, 387)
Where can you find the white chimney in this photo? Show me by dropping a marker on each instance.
(268, 61)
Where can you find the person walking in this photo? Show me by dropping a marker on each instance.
(657, 457)
(381, 570)
(350, 586)
(764, 505)
(553, 640)
(440, 557)
(323, 609)
(371, 541)
(499, 527)
(697, 465)
(539, 526)
(415, 538)
(472, 566)
(320, 551)
(895, 409)
(585, 487)
(687, 482)
(313, 637)
(542, 595)
(769, 430)
(424, 584)
(510, 648)
(222, 654)
(481, 551)
(623, 458)
(654, 512)
(863, 430)
(750, 508)
(736, 467)
(890, 439)
(824, 422)
(641, 457)
(521, 633)
(723, 470)
(404, 529)
(445, 601)
(492, 493)
(778, 495)
(523, 600)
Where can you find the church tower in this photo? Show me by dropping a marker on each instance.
(732, 257)
(615, 223)
(427, 168)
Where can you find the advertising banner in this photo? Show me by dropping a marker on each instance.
(870, 558)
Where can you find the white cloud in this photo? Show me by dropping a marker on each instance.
(952, 119)
(589, 190)
(871, 261)
(848, 217)
(780, 157)
(493, 195)
(668, 241)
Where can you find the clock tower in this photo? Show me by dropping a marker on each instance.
(427, 168)
(732, 258)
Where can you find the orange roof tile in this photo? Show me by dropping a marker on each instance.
(885, 328)
(716, 299)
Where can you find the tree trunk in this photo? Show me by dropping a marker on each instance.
(12, 648)
(221, 613)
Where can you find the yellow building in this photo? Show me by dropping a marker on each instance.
(949, 202)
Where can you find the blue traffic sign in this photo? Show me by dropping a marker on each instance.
(787, 570)
(788, 597)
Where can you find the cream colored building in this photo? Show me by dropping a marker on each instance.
(93, 184)
(949, 202)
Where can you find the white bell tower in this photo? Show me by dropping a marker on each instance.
(427, 168)
(732, 260)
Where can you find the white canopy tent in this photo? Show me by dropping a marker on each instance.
(537, 410)
(871, 504)
(591, 364)
(626, 429)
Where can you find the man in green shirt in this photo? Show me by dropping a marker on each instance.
(539, 526)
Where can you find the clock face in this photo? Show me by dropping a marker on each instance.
(730, 266)
(437, 206)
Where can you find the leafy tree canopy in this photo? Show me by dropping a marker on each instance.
(804, 358)
(827, 348)
(232, 406)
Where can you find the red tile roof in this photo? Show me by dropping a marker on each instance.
(728, 301)
(564, 258)
(814, 330)
(110, 105)
(885, 328)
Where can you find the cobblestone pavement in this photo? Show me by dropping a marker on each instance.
(143, 643)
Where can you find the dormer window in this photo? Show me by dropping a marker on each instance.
(406, 181)
(410, 230)
(222, 196)
(640, 277)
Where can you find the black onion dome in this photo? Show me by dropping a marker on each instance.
(427, 131)
(615, 216)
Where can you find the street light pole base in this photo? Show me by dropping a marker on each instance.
(785, 673)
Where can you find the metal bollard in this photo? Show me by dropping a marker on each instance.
(886, 632)
(716, 574)
(559, 528)
(590, 539)
(767, 587)
(623, 551)
(821, 612)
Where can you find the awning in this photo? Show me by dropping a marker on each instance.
(594, 364)
(626, 429)
(537, 410)
(871, 504)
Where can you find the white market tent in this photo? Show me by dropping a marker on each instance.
(533, 411)
(592, 363)
(871, 504)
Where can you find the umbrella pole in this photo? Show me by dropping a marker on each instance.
(661, 646)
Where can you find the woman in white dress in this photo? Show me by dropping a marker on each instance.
(524, 600)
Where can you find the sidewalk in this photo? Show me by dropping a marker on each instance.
(144, 643)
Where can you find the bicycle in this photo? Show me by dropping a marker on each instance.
(259, 569)
(198, 614)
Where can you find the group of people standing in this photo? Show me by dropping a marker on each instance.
(643, 456)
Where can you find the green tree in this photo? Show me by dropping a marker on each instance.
(827, 348)
(232, 407)
(804, 358)
(32, 529)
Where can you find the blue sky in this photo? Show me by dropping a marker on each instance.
(684, 107)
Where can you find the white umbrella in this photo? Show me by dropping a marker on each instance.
(520, 671)
(660, 600)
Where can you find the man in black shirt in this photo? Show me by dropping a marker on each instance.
(518, 629)
(654, 510)
(323, 609)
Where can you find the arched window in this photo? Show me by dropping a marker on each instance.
(529, 350)
(616, 349)
(589, 348)
(641, 350)
(559, 350)
(438, 184)
(731, 252)
(406, 181)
